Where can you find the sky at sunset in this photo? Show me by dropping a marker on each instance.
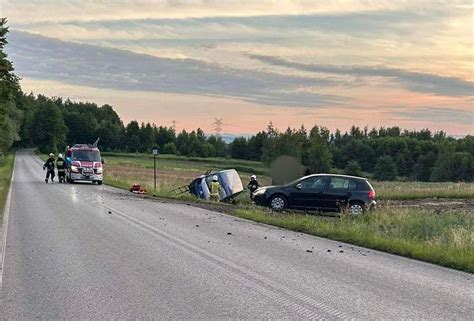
(331, 63)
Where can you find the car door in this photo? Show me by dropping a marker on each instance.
(309, 193)
(338, 192)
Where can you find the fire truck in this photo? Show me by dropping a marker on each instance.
(83, 163)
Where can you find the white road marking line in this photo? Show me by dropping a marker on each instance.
(4, 228)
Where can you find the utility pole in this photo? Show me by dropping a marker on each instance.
(155, 152)
(218, 125)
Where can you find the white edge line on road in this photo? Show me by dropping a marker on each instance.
(4, 227)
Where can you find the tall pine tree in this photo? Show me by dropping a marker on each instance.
(9, 86)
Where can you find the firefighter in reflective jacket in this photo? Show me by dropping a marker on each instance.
(61, 166)
(49, 166)
(215, 189)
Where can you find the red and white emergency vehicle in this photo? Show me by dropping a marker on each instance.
(84, 164)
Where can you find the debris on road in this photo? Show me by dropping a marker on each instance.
(309, 251)
(137, 189)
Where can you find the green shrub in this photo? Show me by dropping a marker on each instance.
(170, 148)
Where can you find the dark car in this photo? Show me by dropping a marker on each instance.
(323, 192)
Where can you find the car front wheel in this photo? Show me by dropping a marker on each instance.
(278, 203)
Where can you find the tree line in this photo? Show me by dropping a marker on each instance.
(385, 153)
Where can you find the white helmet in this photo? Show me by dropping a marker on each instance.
(51, 155)
(60, 155)
(253, 177)
(214, 178)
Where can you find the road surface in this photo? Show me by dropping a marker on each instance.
(87, 251)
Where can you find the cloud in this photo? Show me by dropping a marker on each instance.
(438, 115)
(428, 37)
(412, 80)
(90, 10)
(39, 57)
(241, 27)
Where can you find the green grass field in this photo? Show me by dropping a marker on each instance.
(6, 168)
(420, 190)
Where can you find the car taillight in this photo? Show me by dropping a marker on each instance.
(371, 195)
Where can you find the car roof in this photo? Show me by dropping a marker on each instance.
(334, 175)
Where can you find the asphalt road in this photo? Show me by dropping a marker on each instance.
(87, 251)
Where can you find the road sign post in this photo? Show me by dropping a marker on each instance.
(155, 152)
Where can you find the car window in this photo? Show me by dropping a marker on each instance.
(352, 185)
(363, 185)
(317, 182)
(339, 183)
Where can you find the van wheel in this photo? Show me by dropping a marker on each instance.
(356, 209)
(99, 182)
(278, 203)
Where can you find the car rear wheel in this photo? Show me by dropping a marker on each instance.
(278, 203)
(356, 209)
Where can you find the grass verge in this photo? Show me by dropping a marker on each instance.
(446, 239)
(6, 169)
